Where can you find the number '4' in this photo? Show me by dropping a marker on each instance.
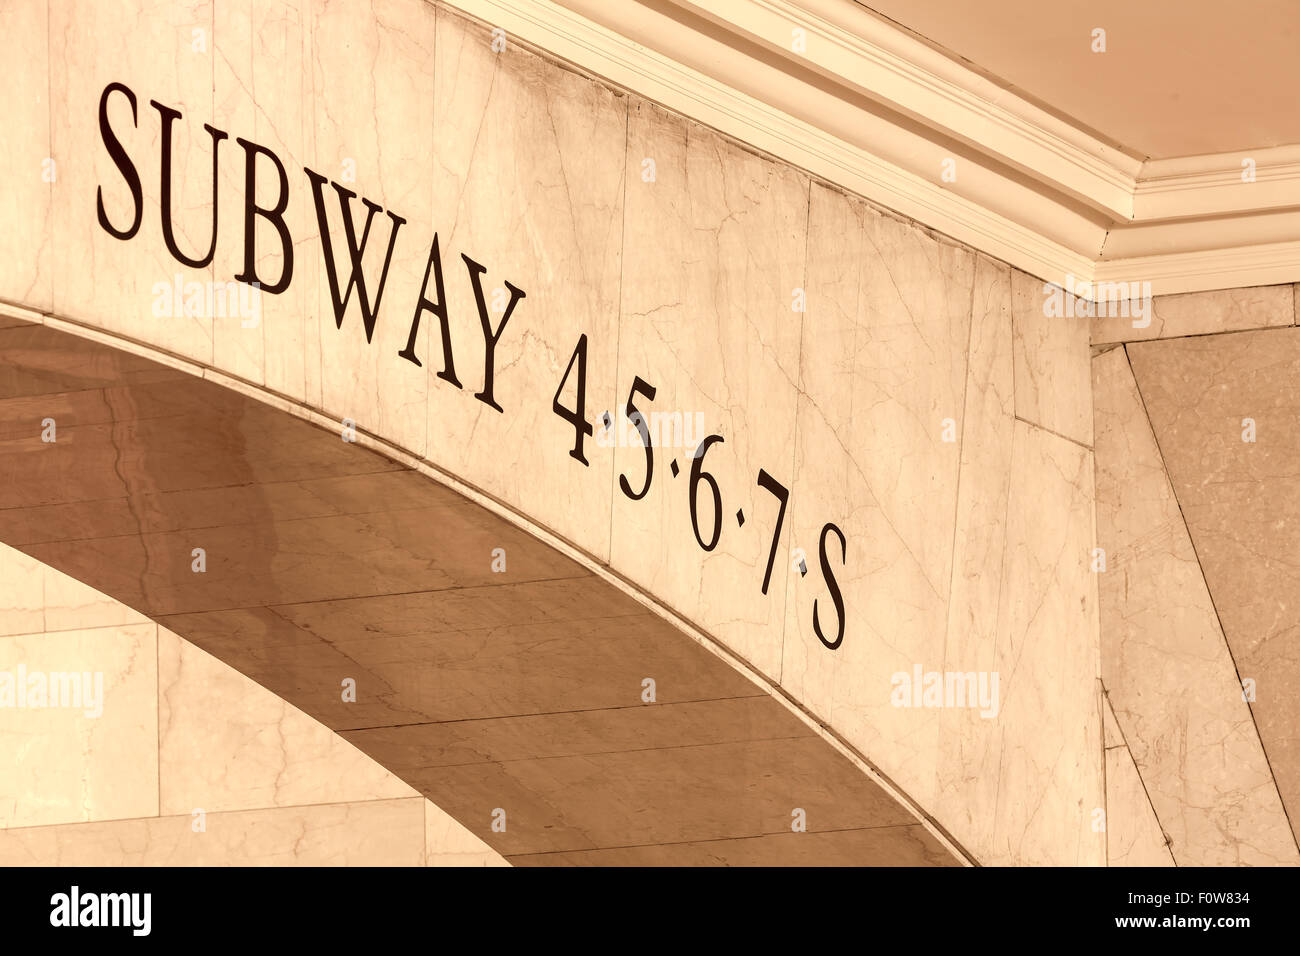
(575, 417)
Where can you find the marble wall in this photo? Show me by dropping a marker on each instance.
(1196, 463)
(138, 772)
(903, 463)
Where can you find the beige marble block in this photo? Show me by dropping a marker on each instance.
(27, 165)
(969, 743)
(1208, 398)
(238, 346)
(22, 593)
(155, 752)
(1165, 663)
(71, 605)
(1201, 313)
(372, 68)
(264, 93)
(882, 366)
(714, 257)
(1051, 360)
(1049, 783)
(1133, 834)
(1112, 735)
(528, 183)
(35, 597)
(129, 286)
(449, 843)
(263, 752)
(95, 755)
(373, 833)
(284, 107)
(905, 354)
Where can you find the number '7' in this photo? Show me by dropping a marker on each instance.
(782, 494)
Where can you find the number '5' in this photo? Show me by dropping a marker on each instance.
(635, 417)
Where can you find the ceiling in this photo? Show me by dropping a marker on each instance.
(1178, 78)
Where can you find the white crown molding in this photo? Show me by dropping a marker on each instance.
(1272, 263)
(1214, 185)
(848, 45)
(875, 110)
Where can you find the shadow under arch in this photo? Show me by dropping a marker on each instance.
(327, 566)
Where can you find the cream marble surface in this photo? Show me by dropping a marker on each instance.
(120, 787)
(890, 376)
(1112, 735)
(373, 73)
(284, 107)
(970, 744)
(59, 765)
(70, 604)
(1052, 388)
(35, 597)
(714, 248)
(237, 348)
(264, 93)
(528, 182)
(26, 271)
(373, 833)
(883, 363)
(1049, 781)
(22, 593)
(1202, 313)
(448, 843)
(1239, 500)
(1165, 663)
(1133, 834)
(109, 282)
(262, 753)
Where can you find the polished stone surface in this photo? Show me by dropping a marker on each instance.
(883, 370)
(1201, 313)
(714, 247)
(519, 691)
(113, 282)
(528, 180)
(1051, 362)
(379, 66)
(1169, 673)
(26, 273)
(132, 768)
(369, 833)
(66, 764)
(970, 746)
(1236, 484)
(264, 752)
(1133, 833)
(1048, 604)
